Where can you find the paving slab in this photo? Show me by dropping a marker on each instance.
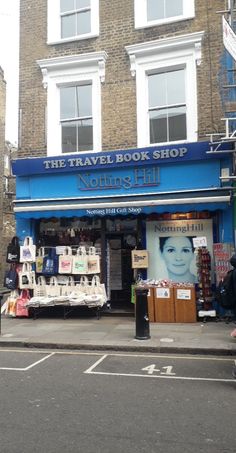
(118, 333)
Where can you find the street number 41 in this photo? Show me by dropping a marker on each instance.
(167, 370)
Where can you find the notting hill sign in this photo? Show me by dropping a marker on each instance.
(114, 159)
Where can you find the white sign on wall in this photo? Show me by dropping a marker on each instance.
(229, 38)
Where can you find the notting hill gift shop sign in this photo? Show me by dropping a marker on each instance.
(113, 159)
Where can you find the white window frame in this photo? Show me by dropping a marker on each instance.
(54, 23)
(165, 54)
(71, 70)
(140, 13)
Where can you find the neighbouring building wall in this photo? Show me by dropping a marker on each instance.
(119, 121)
(7, 183)
(2, 145)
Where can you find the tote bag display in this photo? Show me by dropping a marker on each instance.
(65, 261)
(26, 277)
(93, 261)
(21, 302)
(80, 262)
(39, 260)
(27, 251)
(13, 251)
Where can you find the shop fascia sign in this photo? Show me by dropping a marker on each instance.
(114, 159)
(229, 38)
(139, 177)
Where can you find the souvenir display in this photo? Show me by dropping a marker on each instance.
(203, 262)
(64, 275)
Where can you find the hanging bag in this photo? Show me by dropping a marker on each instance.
(26, 277)
(40, 287)
(27, 251)
(11, 304)
(65, 261)
(21, 302)
(98, 288)
(93, 261)
(53, 289)
(11, 277)
(83, 285)
(50, 263)
(80, 262)
(13, 251)
(39, 260)
(68, 288)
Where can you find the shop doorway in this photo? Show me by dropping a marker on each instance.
(120, 275)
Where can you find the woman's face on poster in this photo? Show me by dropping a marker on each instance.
(178, 254)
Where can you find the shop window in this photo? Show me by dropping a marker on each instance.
(166, 88)
(156, 12)
(70, 20)
(73, 102)
(76, 118)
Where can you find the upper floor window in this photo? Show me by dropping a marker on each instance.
(73, 85)
(75, 17)
(156, 12)
(76, 118)
(70, 20)
(167, 106)
(166, 88)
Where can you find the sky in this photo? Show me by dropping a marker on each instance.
(9, 61)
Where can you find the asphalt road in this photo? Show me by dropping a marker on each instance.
(94, 402)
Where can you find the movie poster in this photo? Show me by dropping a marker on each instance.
(171, 249)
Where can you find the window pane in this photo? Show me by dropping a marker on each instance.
(67, 5)
(85, 135)
(174, 8)
(175, 87)
(157, 90)
(82, 3)
(84, 100)
(177, 124)
(158, 126)
(155, 9)
(161, 9)
(83, 22)
(68, 26)
(69, 133)
(67, 101)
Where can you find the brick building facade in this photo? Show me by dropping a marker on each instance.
(117, 30)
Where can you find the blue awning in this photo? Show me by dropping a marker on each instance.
(185, 202)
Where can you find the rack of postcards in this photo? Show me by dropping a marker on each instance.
(62, 275)
(203, 262)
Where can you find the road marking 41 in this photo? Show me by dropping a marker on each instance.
(152, 369)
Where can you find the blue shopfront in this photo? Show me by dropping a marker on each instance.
(121, 200)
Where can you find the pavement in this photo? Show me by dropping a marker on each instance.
(117, 333)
